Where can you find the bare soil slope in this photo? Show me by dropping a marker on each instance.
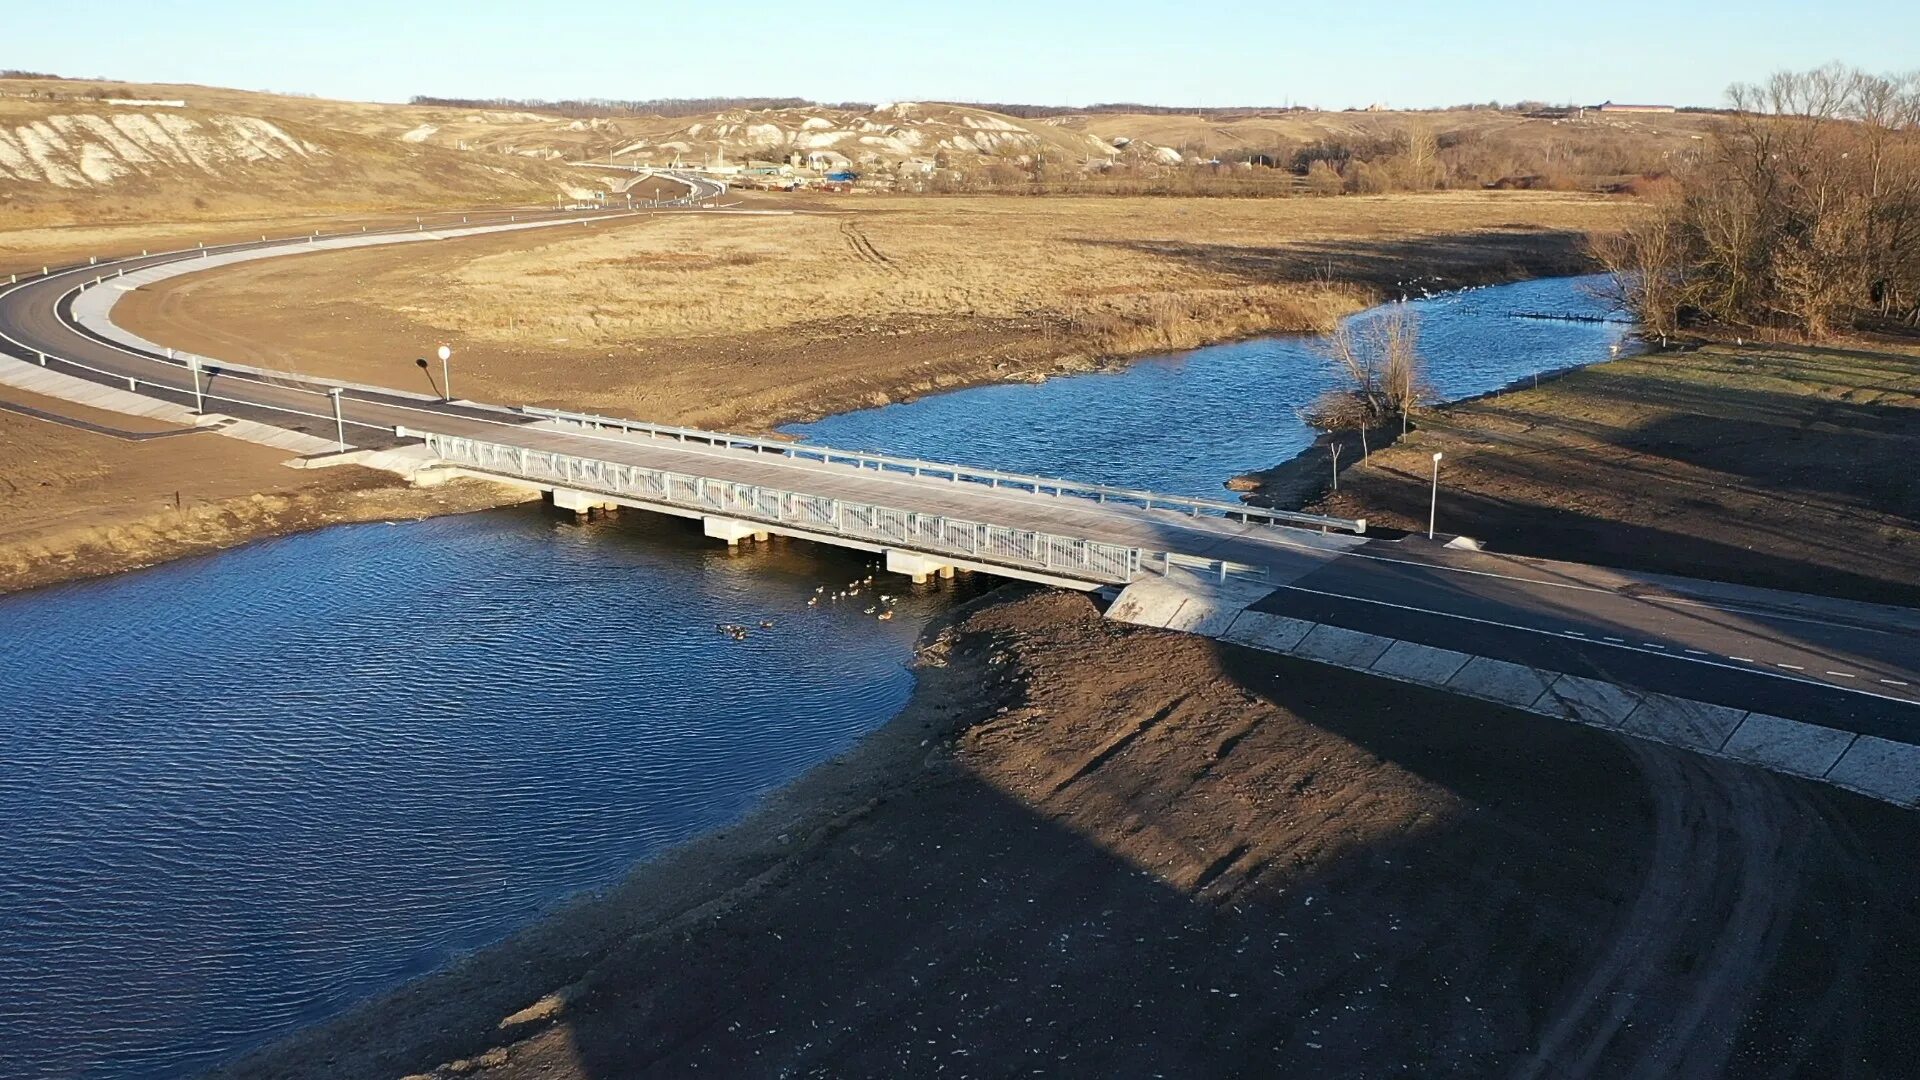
(1096, 850)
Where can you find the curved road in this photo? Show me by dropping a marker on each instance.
(1844, 665)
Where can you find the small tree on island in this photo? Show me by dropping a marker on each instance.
(1381, 374)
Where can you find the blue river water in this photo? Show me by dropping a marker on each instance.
(240, 793)
(1186, 423)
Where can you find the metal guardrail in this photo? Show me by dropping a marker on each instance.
(1039, 485)
(1047, 553)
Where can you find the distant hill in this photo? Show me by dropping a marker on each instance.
(85, 152)
(69, 152)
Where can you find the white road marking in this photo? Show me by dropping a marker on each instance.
(1550, 633)
(1697, 652)
(1653, 645)
(1893, 682)
(1615, 640)
(1744, 659)
(1790, 667)
(1840, 674)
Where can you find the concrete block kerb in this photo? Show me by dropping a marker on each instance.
(1788, 745)
(1346, 648)
(1683, 722)
(1589, 701)
(1421, 663)
(1274, 633)
(1880, 767)
(1498, 680)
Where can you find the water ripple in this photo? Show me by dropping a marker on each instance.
(242, 792)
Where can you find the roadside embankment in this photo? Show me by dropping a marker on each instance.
(1779, 466)
(748, 322)
(86, 492)
(1096, 848)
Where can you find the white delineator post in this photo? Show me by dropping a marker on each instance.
(339, 418)
(1433, 507)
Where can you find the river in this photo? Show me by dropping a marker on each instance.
(1186, 423)
(242, 792)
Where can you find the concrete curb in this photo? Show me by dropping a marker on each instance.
(1875, 767)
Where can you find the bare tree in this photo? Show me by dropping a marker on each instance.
(1803, 218)
(1380, 375)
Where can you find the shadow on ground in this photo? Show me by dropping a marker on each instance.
(1153, 854)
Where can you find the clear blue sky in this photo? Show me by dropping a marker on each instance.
(1333, 54)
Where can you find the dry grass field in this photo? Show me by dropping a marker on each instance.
(1774, 465)
(752, 320)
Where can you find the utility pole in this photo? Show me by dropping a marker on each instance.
(339, 420)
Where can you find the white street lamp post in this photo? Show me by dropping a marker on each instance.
(193, 369)
(339, 420)
(1433, 507)
(446, 373)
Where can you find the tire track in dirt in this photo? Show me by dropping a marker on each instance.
(863, 249)
(1669, 993)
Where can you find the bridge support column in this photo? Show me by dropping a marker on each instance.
(580, 502)
(917, 567)
(730, 530)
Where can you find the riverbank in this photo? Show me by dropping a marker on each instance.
(1778, 466)
(751, 322)
(89, 492)
(1106, 849)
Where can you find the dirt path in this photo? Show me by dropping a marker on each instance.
(1667, 994)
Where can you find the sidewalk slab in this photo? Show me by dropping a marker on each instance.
(1788, 745)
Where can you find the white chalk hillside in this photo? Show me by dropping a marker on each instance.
(83, 150)
(887, 134)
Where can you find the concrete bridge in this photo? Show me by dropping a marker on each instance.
(1804, 684)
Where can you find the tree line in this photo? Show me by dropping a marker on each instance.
(1802, 218)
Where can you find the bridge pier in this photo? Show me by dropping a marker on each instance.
(580, 502)
(731, 531)
(917, 567)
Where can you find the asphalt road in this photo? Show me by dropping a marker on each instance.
(1844, 664)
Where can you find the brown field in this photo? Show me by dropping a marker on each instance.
(87, 492)
(1779, 466)
(749, 321)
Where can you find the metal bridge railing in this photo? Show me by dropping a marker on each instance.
(934, 534)
(1039, 485)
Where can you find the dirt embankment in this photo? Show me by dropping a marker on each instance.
(85, 492)
(746, 322)
(1103, 850)
(1778, 466)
